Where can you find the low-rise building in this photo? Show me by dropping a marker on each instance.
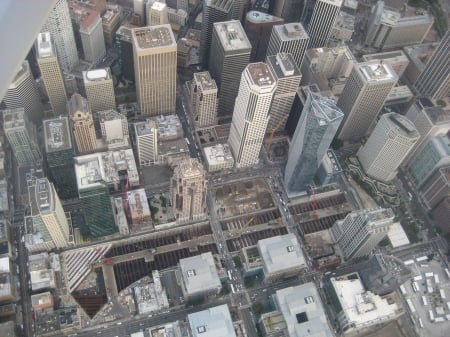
(6, 283)
(150, 297)
(42, 301)
(212, 322)
(42, 276)
(218, 157)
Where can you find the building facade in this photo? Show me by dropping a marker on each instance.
(323, 18)
(251, 114)
(114, 129)
(146, 134)
(204, 99)
(157, 14)
(82, 124)
(99, 88)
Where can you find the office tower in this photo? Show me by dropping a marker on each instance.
(146, 136)
(289, 38)
(59, 25)
(82, 124)
(22, 137)
(397, 60)
(204, 99)
(315, 131)
(49, 218)
(114, 128)
(188, 188)
(251, 114)
(155, 68)
(23, 93)
(51, 72)
(258, 27)
(434, 155)
(363, 97)
(157, 14)
(322, 21)
(213, 11)
(230, 54)
(436, 188)
(289, 10)
(139, 9)
(430, 122)
(287, 76)
(434, 80)
(361, 231)
(59, 151)
(124, 48)
(99, 88)
(389, 143)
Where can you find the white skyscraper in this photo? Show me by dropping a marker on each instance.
(146, 134)
(361, 231)
(363, 97)
(389, 143)
(251, 114)
(99, 88)
(322, 21)
(157, 14)
(51, 73)
(204, 99)
(92, 39)
(59, 25)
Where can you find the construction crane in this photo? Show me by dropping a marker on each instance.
(272, 133)
(238, 232)
(314, 204)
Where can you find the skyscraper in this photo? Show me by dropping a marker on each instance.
(92, 39)
(188, 188)
(60, 27)
(22, 137)
(359, 233)
(289, 38)
(204, 99)
(389, 143)
(288, 77)
(230, 54)
(59, 151)
(251, 114)
(155, 68)
(322, 21)
(23, 93)
(315, 131)
(146, 134)
(99, 88)
(289, 10)
(434, 80)
(114, 128)
(157, 14)
(363, 97)
(49, 218)
(82, 124)
(51, 73)
(124, 47)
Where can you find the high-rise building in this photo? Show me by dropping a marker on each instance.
(230, 54)
(251, 114)
(363, 97)
(258, 27)
(139, 9)
(289, 38)
(59, 154)
(157, 14)
(397, 59)
(322, 22)
(59, 25)
(287, 76)
(315, 131)
(204, 99)
(146, 135)
(213, 11)
(155, 68)
(188, 188)
(361, 231)
(82, 124)
(51, 73)
(49, 218)
(124, 48)
(23, 93)
(434, 155)
(99, 88)
(22, 136)
(389, 143)
(289, 10)
(436, 188)
(434, 80)
(114, 128)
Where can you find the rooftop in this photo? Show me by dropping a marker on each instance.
(232, 36)
(397, 54)
(397, 235)
(199, 273)
(13, 118)
(189, 168)
(283, 65)
(144, 128)
(260, 74)
(291, 31)
(281, 253)
(376, 71)
(212, 322)
(86, 16)
(303, 311)
(44, 46)
(205, 81)
(325, 108)
(218, 154)
(437, 115)
(95, 75)
(403, 125)
(44, 195)
(168, 126)
(261, 17)
(57, 134)
(153, 37)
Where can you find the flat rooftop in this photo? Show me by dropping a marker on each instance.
(232, 36)
(404, 125)
(212, 322)
(437, 115)
(57, 134)
(291, 31)
(261, 17)
(153, 37)
(87, 16)
(96, 75)
(205, 81)
(13, 118)
(144, 128)
(376, 71)
(283, 65)
(397, 55)
(44, 195)
(218, 154)
(44, 46)
(260, 74)
(199, 273)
